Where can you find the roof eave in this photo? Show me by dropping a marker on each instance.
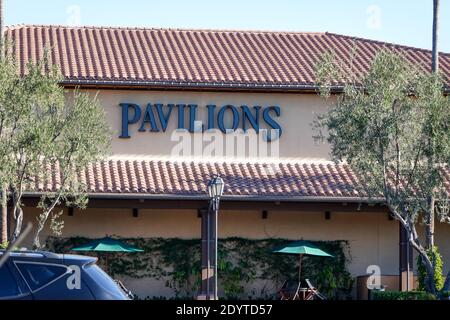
(198, 86)
(255, 198)
(180, 85)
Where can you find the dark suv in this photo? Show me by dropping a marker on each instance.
(37, 275)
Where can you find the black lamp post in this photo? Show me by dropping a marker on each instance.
(215, 191)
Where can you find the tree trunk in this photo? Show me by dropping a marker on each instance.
(18, 216)
(1, 24)
(40, 226)
(430, 285)
(42, 219)
(431, 201)
(409, 225)
(429, 228)
(435, 54)
(36, 239)
(447, 283)
(4, 209)
(4, 213)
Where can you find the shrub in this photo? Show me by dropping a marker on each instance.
(439, 278)
(400, 295)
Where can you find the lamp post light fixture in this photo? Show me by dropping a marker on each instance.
(215, 190)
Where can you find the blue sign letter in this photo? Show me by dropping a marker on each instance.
(126, 121)
(164, 119)
(211, 110)
(221, 114)
(181, 115)
(272, 123)
(149, 117)
(247, 115)
(192, 116)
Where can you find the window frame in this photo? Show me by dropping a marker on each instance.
(16, 263)
(14, 277)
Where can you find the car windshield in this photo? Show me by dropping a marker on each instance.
(103, 280)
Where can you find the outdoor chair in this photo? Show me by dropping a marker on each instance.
(289, 290)
(314, 293)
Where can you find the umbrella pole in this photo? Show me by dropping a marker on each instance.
(106, 263)
(300, 266)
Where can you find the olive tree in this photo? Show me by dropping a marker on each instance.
(392, 127)
(46, 130)
(81, 137)
(3, 204)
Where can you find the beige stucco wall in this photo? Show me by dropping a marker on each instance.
(373, 238)
(297, 114)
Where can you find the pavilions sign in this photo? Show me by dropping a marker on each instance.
(156, 117)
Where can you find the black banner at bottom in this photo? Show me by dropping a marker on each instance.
(177, 309)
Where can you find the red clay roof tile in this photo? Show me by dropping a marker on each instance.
(189, 178)
(201, 57)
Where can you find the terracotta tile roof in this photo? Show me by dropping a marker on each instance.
(284, 180)
(202, 58)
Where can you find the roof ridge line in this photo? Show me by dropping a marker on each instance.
(385, 43)
(211, 30)
(22, 25)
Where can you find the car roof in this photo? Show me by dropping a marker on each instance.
(31, 254)
(46, 256)
(72, 258)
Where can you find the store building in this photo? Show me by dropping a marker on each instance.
(162, 90)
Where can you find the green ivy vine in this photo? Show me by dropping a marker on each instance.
(241, 262)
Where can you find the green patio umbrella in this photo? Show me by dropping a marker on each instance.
(107, 244)
(301, 248)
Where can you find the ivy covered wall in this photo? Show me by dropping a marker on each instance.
(242, 264)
